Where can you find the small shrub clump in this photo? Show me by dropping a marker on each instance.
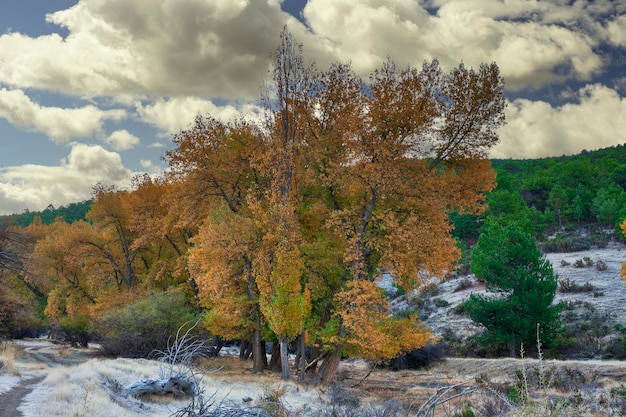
(146, 325)
(419, 358)
(568, 286)
(601, 265)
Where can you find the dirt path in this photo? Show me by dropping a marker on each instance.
(12, 399)
(42, 353)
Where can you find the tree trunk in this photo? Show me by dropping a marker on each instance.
(275, 359)
(244, 350)
(301, 359)
(284, 358)
(264, 355)
(219, 344)
(258, 361)
(258, 353)
(316, 354)
(329, 367)
(512, 348)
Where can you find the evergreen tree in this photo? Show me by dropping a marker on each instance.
(523, 285)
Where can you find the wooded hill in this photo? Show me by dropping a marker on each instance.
(583, 189)
(557, 194)
(70, 213)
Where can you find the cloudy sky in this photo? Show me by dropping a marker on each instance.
(92, 90)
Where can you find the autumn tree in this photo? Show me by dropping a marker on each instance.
(396, 157)
(216, 183)
(344, 179)
(284, 301)
(161, 240)
(71, 282)
(113, 240)
(16, 311)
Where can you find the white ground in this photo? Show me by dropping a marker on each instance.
(609, 299)
(86, 389)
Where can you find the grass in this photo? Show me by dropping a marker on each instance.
(8, 353)
(513, 387)
(91, 389)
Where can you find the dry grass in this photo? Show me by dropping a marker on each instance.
(91, 389)
(9, 352)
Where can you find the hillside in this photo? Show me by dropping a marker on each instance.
(70, 213)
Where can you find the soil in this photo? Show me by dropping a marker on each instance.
(43, 355)
(12, 399)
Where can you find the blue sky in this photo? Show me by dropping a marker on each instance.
(92, 90)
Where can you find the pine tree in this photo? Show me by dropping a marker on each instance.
(523, 285)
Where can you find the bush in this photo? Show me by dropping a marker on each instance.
(441, 302)
(76, 331)
(568, 286)
(576, 243)
(145, 325)
(419, 358)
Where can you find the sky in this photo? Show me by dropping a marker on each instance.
(93, 90)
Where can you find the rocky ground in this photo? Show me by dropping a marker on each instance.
(599, 268)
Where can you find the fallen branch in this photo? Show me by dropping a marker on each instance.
(175, 385)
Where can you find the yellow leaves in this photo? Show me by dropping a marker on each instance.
(369, 330)
(283, 302)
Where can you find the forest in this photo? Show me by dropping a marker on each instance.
(276, 228)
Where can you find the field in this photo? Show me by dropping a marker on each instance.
(38, 377)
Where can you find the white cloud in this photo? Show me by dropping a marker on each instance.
(122, 49)
(218, 48)
(59, 124)
(36, 186)
(527, 39)
(175, 114)
(151, 168)
(536, 129)
(122, 140)
(616, 31)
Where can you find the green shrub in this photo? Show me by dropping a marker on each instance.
(76, 331)
(441, 302)
(568, 286)
(145, 325)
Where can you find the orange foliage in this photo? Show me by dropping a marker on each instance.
(219, 261)
(368, 329)
(288, 222)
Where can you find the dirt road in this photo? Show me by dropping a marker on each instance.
(10, 400)
(40, 355)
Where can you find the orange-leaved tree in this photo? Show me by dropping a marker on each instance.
(288, 101)
(216, 183)
(344, 179)
(396, 158)
(160, 238)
